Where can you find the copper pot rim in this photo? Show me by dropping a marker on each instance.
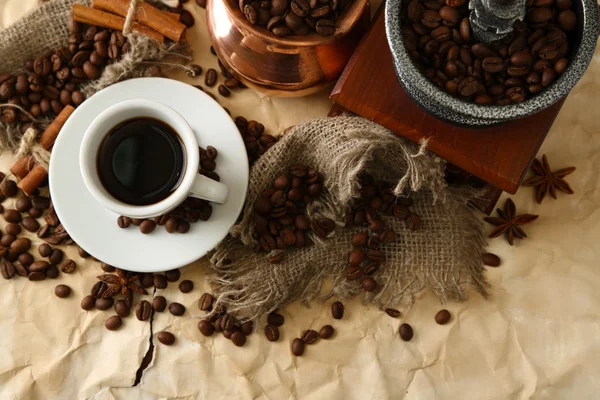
(349, 18)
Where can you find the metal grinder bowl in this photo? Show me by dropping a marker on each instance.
(452, 109)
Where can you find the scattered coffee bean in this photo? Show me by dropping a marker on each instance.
(186, 286)
(206, 328)
(326, 332)
(238, 338)
(25, 259)
(310, 336)
(20, 246)
(104, 304)
(23, 204)
(148, 226)
(297, 347)
(37, 276)
(113, 323)
(272, 333)
(275, 319)
(45, 250)
(406, 332)
(177, 309)
(173, 275)
(491, 260)
(8, 188)
(68, 266)
(7, 269)
(13, 229)
(124, 222)
(369, 284)
(122, 309)
(52, 272)
(443, 317)
(166, 338)
(144, 310)
(107, 267)
(206, 302)
(392, 312)
(159, 303)
(337, 310)
(160, 281)
(211, 77)
(247, 327)
(56, 256)
(30, 224)
(62, 291)
(88, 302)
(12, 216)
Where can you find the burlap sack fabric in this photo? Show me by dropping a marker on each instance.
(47, 28)
(445, 255)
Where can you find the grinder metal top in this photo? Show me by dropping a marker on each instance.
(493, 19)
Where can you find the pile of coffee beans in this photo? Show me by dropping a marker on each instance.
(279, 218)
(222, 322)
(437, 34)
(51, 81)
(295, 17)
(191, 211)
(376, 198)
(257, 142)
(15, 251)
(366, 256)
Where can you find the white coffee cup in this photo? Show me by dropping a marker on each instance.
(192, 184)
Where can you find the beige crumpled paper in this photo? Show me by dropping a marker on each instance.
(536, 337)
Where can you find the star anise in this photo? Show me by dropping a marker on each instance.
(508, 222)
(546, 180)
(123, 282)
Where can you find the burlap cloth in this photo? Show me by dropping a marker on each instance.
(445, 255)
(535, 337)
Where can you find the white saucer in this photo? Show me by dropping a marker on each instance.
(95, 228)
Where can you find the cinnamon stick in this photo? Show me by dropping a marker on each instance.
(33, 180)
(22, 167)
(172, 15)
(51, 133)
(145, 14)
(92, 16)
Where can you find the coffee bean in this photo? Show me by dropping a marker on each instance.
(25, 259)
(223, 91)
(23, 204)
(377, 226)
(186, 286)
(275, 319)
(206, 301)
(392, 312)
(326, 332)
(13, 229)
(87, 303)
(227, 333)
(414, 222)
(493, 64)
(272, 333)
(337, 310)
(206, 328)
(238, 338)
(443, 317)
(104, 304)
(20, 245)
(247, 327)
(491, 260)
(297, 347)
(310, 336)
(148, 226)
(98, 289)
(561, 65)
(124, 222)
(45, 250)
(56, 256)
(177, 309)
(227, 322)
(37, 276)
(539, 15)
(406, 332)
(12, 216)
(113, 323)
(122, 309)
(369, 284)
(548, 77)
(160, 281)
(7, 269)
(7, 240)
(325, 27)
(144, 310)
(357, 256)
(166, 338)
(173, 275)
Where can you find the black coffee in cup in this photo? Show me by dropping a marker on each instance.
(141, 161)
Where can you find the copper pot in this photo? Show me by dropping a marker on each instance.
(290, 66)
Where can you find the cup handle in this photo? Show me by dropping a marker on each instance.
(208, 189)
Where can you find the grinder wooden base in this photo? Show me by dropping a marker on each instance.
(500, 155)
